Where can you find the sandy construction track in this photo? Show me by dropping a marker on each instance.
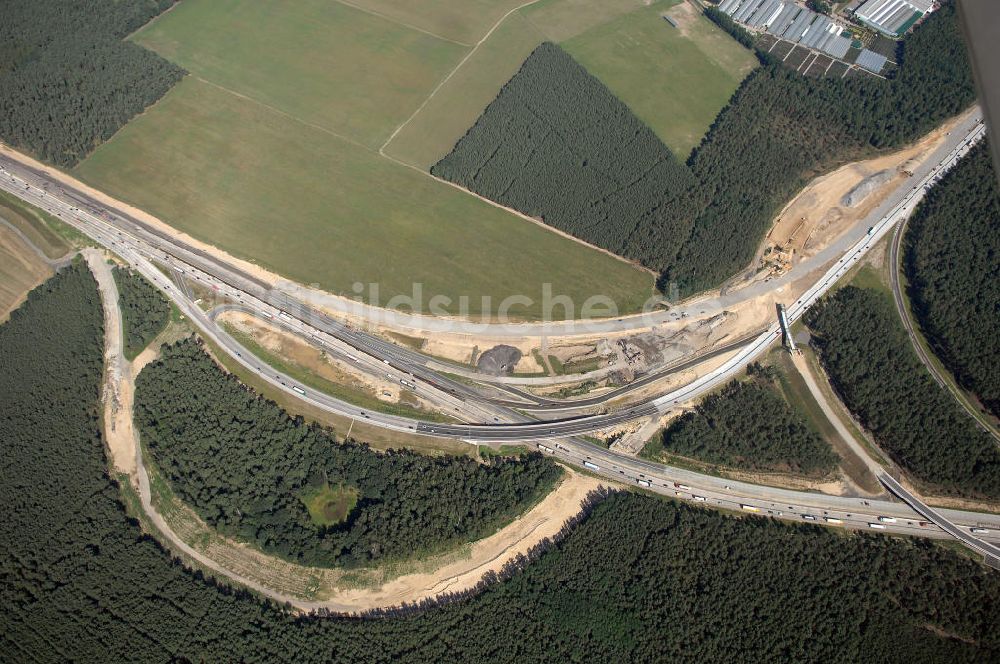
(303, 587)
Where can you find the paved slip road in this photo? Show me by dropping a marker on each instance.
(140, 249)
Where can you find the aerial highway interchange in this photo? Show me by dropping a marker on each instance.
(155, 254)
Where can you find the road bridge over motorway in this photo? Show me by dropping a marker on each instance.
(991, 552)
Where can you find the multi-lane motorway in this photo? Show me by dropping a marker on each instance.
(141, 246)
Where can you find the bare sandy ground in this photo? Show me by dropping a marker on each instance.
(487, 555)
(303, 587)
(816, 217)
(311, 588)
(117, 396)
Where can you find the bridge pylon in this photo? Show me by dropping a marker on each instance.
(786, 330)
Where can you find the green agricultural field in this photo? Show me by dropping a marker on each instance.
(560, 20)
(463, 21)
(321, 62)
(676, 80)
(269, 151)
(317, 209)
(434, 130)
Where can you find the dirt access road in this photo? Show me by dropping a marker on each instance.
(448, 573)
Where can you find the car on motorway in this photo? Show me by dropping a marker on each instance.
(877, 526)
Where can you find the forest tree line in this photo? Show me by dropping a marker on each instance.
(533, 149)
(749, 425)
(952, 263)
(867, 354)
(245, 467)
(781, 129)
(145, 312)
(68, 77)
(639, 579)
(558, 145)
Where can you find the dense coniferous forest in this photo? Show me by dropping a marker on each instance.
(782, 128)
(145, 311)
(557, 144)
(779, 130)
(640, 579)
(748, 425)
(868, 356)
(246, 467)
(952, 261)
(68, 80)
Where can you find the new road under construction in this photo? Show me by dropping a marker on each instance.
(171, 265)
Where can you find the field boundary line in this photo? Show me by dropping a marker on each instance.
(372, 12)
(447, 78)
(286, 114)
(522, 215)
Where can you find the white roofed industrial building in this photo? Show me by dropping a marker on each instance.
(892, 17)
(792, 22)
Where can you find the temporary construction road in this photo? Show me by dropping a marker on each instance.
(140, 246)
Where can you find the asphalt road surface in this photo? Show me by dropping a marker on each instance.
(141, 242)
(140, 247)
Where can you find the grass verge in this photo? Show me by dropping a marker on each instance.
(54, 237)
(343, 427)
